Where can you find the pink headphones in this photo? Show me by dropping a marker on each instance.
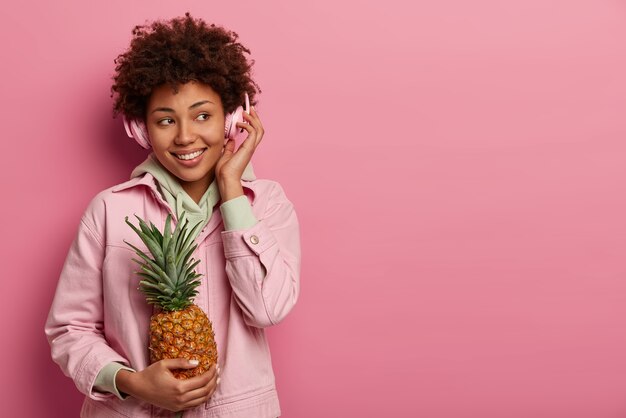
(136, 128)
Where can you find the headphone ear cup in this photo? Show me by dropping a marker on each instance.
(136, 129)
(230, 126)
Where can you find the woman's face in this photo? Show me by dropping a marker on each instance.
(186, 131)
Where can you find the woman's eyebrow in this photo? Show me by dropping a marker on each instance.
(193, 106)
(163, 109)
(200, 103)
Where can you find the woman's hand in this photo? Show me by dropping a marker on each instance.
(231, 165)
(157, 385)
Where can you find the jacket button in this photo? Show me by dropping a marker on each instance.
(254, 239)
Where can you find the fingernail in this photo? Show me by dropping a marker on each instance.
(194, 362)
(218, 381)
(218, 369)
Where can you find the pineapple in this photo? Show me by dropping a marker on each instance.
(179, 328)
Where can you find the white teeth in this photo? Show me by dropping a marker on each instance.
(189, 156)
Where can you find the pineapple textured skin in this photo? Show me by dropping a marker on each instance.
(183, 334)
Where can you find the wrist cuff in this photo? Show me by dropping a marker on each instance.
(105, 381)
(237, 214)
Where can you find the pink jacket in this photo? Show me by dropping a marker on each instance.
(250, 281)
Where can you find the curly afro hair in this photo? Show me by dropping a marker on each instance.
(178, 51)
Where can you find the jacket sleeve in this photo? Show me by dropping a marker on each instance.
(263, 262)
(74, 327)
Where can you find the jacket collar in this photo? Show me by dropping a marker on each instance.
(148, 180)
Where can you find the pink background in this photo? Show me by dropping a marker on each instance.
(458, 168)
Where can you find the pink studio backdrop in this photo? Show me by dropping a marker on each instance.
(458, 169)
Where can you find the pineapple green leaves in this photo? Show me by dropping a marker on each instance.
(169, 279)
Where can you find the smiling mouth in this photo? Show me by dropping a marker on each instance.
(189, 156)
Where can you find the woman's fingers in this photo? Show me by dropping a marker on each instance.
(198, 382)
(233, 162)
(203, 393)
(253, 126)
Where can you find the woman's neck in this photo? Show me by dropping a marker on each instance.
(197, 189)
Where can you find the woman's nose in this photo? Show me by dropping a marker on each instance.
(186, 134)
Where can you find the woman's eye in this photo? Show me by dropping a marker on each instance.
(203, 116)
(166, 121)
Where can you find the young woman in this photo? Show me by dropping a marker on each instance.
(177, 86)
